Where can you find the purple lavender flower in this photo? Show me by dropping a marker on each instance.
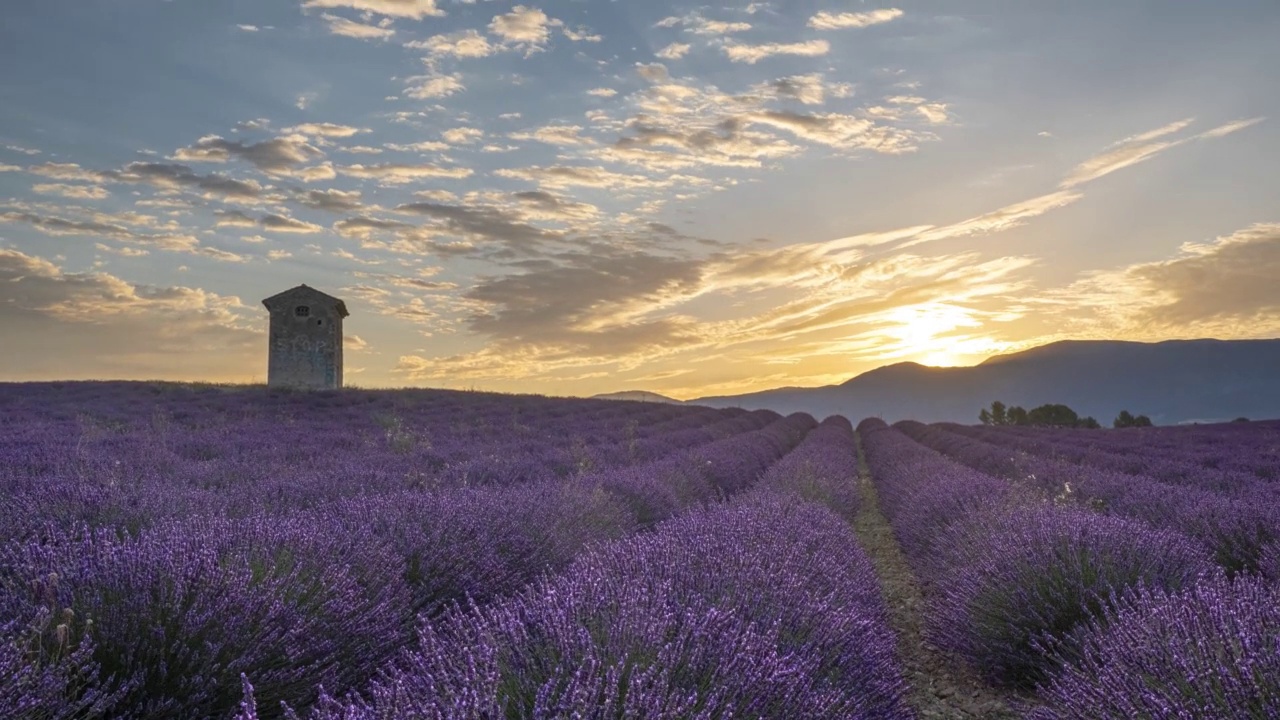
(1209, 651)
(1018, 582)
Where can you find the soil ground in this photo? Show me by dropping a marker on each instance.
(942, 686)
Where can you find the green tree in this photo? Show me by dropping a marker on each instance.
(985, 417)
(1089, 423)
(1126, 419)
(1018, 416)
(999, 416)
(1053, 415)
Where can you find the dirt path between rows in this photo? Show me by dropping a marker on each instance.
(942, 688)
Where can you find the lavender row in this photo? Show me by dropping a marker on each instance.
(765, 607)
(822, 469)
(418, 432)
(1235, 528)
(1243, 448)
(138, 475)
(1010, 578)
(179, 610)
(1159, 464)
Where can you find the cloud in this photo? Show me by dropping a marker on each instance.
(565, 176)
(841, 21)
(96, 325)
(480, 223)
(364, 227)
(462, 44)
(424, 146)
(811, 89)
(325, 130)
(10, 168)
(335, 201)
(122, 251)
(615, 311)
(935, 113)
(21, 149)
(116, 227)
(249, 28)
(427, 87)
(602, 92)
(414, 9)
(547, 315)
(272, 222)
(1006, 218)
(75, 192)
(271, 156)
(841, 131)
(542, 205)
(57, 226)
(462, 135)
(1223, 288)
(1142, 147)
(360, 31)
(752, 54)
(582, 34)
(696, 24)
(674, 51)
(233, 218)
(280, 223)
(399, 174)
(65, 171)
(221, 255)
(1231, 127)
(524, 27)
(323, 171)
(174, 176)
(653, 72)
(562, 135)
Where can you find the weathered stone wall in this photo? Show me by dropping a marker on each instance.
(306, 351)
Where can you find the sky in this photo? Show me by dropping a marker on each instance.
(571, 197)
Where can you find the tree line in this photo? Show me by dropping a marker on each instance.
(1053, 415)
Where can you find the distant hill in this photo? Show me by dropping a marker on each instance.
(638, 396)
(1171, 382)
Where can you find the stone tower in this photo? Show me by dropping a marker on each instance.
(305, 349)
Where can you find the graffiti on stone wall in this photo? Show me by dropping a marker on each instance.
(313, 357)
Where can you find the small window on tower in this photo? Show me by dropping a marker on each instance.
(302, 311)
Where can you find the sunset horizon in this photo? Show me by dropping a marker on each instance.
(579, 198)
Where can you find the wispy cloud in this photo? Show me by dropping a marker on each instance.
(133, 331)
(415, 9)
(845, 20)
(360, 31)
(752, 54)
(1142, 147)
(463, 44)
(1221, 288)
(674, 51)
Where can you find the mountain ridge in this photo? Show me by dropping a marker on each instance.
(1171, 381)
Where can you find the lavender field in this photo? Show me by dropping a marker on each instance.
(195, 551)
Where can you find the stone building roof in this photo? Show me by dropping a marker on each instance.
(306, 294)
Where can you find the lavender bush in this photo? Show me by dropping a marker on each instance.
(180, 611)
(924, 493)
(1234, 527)
(767, 608)
(1210, 651)
(822, 469)
(1017, 583)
